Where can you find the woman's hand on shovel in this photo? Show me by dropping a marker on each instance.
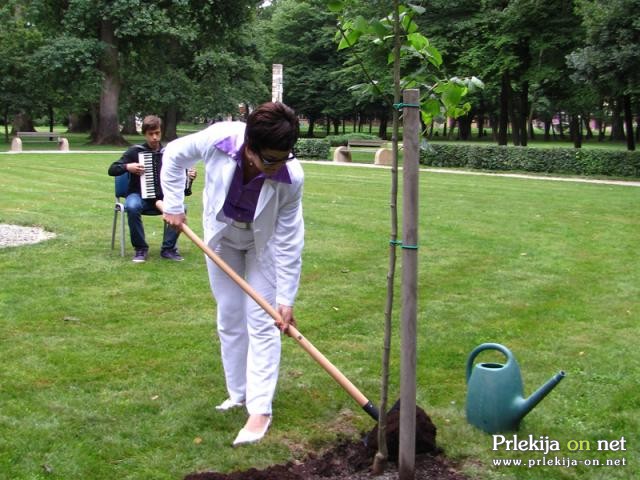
(286, 314)
(174, 220)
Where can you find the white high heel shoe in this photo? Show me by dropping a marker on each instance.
(245, 436)
(228, 404)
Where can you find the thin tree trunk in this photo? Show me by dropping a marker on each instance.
(547, 129)
(504, 109)
(51, 117)
(575, 131)
(617, 122)
(628, 121)
(384, 120)
(312, 124)
(586, 120)
(561, 124)
(5, 118)
(524, 110)
(514, 119)
(381, 456)
(480, 120)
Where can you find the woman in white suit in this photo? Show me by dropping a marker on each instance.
(252, 214)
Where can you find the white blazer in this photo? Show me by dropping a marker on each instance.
(278, 225)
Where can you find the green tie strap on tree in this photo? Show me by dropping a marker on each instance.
(400, 106)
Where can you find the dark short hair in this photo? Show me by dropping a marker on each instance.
(272, 125)
(151, 122)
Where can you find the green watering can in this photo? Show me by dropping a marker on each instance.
(495, 399)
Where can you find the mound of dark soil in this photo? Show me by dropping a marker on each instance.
(351, 460)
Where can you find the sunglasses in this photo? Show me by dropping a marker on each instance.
(274, 161)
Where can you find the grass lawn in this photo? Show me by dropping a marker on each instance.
(111, 370)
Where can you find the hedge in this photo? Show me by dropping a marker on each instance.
(572, 161)
(318, 148)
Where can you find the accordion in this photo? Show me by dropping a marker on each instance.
(150, 187)
(150, 180)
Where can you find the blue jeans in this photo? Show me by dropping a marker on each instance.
(136, 207)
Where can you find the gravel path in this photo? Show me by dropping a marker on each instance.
(15, 235)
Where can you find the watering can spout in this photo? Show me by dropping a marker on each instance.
(535, 398)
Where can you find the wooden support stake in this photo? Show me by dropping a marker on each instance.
(411, 142)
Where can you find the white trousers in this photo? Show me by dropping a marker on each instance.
(250, 342)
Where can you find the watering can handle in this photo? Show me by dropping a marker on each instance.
(482, 348)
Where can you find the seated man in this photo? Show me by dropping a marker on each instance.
(135, 205)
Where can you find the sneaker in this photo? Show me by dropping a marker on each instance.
(171, 254)
(140, 256)
(228, 404)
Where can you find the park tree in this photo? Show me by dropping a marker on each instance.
(65, 75)
(415, 65)
(19, 38)
(177, 30)
(518, 48)
(610, 59)
(229, 74)
(300, 36)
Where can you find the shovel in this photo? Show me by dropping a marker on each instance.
(292, 331)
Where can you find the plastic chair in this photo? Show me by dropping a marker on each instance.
(121, 187)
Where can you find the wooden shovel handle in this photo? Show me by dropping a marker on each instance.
(292, 331)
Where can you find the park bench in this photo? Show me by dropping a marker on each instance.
(365, 142)
(46, 137)
(383, 155)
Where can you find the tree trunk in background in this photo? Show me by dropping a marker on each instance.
(514, 118)
(51, 117)
(532, 133)
(336, 126)
(617, 127)
(493, 125)
(79, 122)
(575, 131)
(480, 119)
(524, 113)
(129, 125)
(5, 119)
(586, 120)
(547, 129)
(312, 124)
(628, 121)
(22, 122)
(108, 131)
(464, 127)
(170, 124)
(384, 119)
(504, 109)
(561, 124)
